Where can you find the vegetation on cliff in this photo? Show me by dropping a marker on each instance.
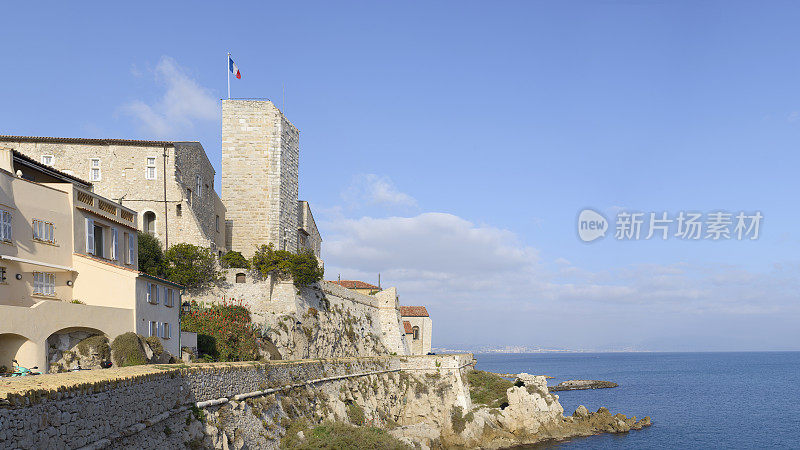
(302, 267)
(486, 388)
(225, 331)
(337, 435)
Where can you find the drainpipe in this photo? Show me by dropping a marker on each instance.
(166, 208)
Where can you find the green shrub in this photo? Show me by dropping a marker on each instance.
(234, 260)
(99, 342)
(341, 436)
(190, 266)
(303, 267)
(155, 345)
(151, 257)
(486, 388)
(457, 420)
(127, 350)
(77, 302)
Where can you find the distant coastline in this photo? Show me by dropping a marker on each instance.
(523, 349)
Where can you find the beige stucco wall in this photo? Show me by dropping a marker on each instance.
(421, 346)
(24, 330)
(147, 312)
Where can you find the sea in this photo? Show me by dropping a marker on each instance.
(695, 400)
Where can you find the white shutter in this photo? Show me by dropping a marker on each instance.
(151, 327)
(149, 288)
(5, 226)
(114, 245)
(90, 236)
(168, 334)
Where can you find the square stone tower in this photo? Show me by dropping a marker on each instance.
(260, 159)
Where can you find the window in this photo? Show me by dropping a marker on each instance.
(199, 186)
(153, 328)
(178, 210)
(415, 330)
(131, 249)
(150, 171)
(169, 299)
(94, 170)
(2, 274)
(5, 226)
(48, 160)
(150, 222)
(44, 283)
(99, 248)
(216, 223)
(241, 278)
(114, 244)
(152, 293)
(188, 196)
(166, 330)
(43, 231)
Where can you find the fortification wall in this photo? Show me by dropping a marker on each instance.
(334, 321)
(144, 406)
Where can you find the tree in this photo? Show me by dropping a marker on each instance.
(234, 260)
(151, 257)
(303, 267)
(191, 266)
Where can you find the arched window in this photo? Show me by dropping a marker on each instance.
(149, 222)
(240, 278)
(415, 330)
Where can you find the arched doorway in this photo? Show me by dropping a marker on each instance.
(149, 222)
(76, 346)
(14, 346)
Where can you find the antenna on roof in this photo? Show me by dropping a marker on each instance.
(340, 277)
(379, 280)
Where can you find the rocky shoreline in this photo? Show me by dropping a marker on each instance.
(577, 385)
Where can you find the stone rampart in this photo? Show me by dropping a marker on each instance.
(108, 408)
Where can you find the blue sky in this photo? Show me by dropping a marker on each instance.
(451, 145)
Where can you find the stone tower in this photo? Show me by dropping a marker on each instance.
(260, 156)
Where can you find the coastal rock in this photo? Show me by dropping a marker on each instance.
(576, 385)
(581, 412)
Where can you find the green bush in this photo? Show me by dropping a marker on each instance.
(155, 345)
(191, 266)
(486, 388)
(234, 260)
(341, 436)
(303, 267)
(127, 350)
(151, 257)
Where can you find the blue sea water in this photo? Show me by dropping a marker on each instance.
(696, 400)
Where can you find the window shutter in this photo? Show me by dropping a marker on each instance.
(114, 245)
(90, 236)
(149, 288)
(130, 249)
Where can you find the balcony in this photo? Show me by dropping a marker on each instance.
(91, 202)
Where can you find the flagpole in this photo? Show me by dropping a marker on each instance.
(228, 72)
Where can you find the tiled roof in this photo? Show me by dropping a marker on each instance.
(67, 140)
(413, 311)
(407, 326)
(355, 284)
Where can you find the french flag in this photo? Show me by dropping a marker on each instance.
(232, 66)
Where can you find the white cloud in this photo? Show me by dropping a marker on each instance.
(372, 189)
(183, 103)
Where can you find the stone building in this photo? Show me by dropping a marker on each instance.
(69, 267)
(170, 184)
(418, 326)
(260, 161)
(358, 286)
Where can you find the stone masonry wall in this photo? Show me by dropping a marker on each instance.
(146, 406)
(122, 168)
(334, 321)
(260, 156)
